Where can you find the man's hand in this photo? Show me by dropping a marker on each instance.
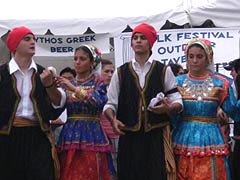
(222, 116)
(163, 107)
(116, 124)
(47, 78)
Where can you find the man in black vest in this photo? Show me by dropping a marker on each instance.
(29, 98)
(144, 146)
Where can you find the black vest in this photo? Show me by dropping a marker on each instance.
(133, 100)
(10, 98)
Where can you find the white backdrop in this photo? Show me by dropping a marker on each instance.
(169, 47)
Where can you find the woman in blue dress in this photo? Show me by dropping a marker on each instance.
(199, 143)
(84, 149)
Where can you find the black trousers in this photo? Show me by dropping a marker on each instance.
(25, 154)
(141, 156)
(235, 161)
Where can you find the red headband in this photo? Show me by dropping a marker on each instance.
(15, 36)
(148, 31)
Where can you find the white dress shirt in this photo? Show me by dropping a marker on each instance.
(24, 87)
(114, 88)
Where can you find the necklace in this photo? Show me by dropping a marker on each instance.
(198, 91)
(81, 80)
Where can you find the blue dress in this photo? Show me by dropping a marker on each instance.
(197, 132)
(82, 129)
(83, 146)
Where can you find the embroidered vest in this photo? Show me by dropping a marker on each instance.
(10, 98)
(133, 100)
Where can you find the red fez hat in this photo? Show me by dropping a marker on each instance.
(15, 36)
(148, 31)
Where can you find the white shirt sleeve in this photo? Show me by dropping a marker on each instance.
(169, 84)
(63, 116)
(63, 99)
(113, 93)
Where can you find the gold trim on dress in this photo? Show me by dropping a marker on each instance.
(201, 119)
(84, 117)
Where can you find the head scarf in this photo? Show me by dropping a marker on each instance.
(96, 53)
(15, 36)
(205, 44)
(148, 31)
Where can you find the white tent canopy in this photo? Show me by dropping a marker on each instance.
(224, 13)
(98, 25)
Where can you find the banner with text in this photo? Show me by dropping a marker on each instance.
(170, 45)
(51, 45)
